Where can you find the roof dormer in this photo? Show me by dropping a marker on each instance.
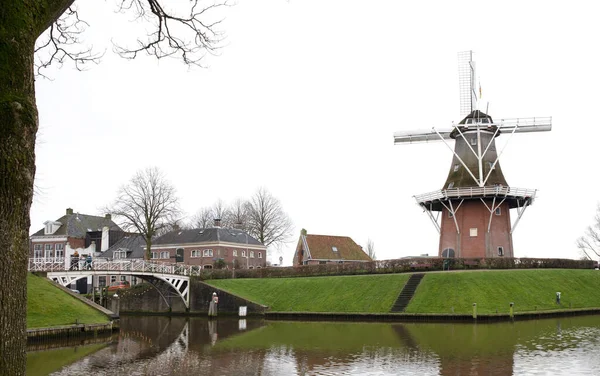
(51, 227)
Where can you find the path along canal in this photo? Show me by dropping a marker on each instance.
(196, 346)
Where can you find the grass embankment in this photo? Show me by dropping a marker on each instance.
(49, 306)
(364, 293)
(438, 293)
(529, 290)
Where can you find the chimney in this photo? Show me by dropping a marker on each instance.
(217, 222)
(69, 211)
(108, 216)
(105, 238)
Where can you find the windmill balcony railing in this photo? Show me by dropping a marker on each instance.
(472, 192)
(57, 264)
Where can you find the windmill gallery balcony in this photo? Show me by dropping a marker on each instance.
(515, 196)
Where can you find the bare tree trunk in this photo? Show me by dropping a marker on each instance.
(18, 127)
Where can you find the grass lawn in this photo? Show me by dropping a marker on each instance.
(49, 306)
(363, 293)
(530, 290)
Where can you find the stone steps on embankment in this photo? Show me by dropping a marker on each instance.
(407, 292)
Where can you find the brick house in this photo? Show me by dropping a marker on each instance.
(88, 234)
(131, 246)
(327, 249)
(204, 247)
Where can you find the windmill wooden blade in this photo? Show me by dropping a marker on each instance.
(466, 83)
(420, 136)
(524, 125)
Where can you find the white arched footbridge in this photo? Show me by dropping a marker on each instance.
(164, 277)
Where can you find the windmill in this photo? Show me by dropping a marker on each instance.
(472, 210)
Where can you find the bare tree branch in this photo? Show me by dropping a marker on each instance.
(187, 34)
(61, 42)
(371, 249)
(267, 221)
(589, 243)
(147, 204)
(202, 219)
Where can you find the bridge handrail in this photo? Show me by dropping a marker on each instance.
(57, 264)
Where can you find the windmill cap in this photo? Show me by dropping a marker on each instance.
(476, 115)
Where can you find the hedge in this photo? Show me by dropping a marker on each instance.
(398, 266)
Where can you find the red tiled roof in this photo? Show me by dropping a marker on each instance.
(321, 248)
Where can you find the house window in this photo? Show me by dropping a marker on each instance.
(456, 167)
(196, 253)
(208, 253)
(207, 266)
(38, 253)
(165, 255)
(154, 255)
(498, 211)
(451, 185)
(251, 254)
(113, 278)
(121, 254)
(474, 141)
(322, 262)
(102, 281)
(473, 232)
(49, 253)
(334, 249)
(243, 253)
(500, 251)
(235, 253)
(38, 247)
(219, 252)
(259, 254)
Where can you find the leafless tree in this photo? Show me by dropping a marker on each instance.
(202, 219)
(589, 243)
(186, 30)
(267, 221)
(371, 249)
(220, 211)
(147, 204)
(176, 225)
(238, 215)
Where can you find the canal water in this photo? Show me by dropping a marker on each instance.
(196, 346)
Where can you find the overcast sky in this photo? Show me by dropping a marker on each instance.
(304, 99)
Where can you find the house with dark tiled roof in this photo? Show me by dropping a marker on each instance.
(204, 247)
(327, 249)
(130, 247)
(86, 234)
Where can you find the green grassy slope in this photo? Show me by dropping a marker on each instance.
(49, 306)
(530, 290)
(364, 293)
(445, 293)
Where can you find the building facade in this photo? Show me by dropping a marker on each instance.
(327, 249)
(211, 248)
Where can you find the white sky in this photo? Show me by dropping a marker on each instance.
(304, 100)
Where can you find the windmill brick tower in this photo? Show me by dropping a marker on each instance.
(472, 210)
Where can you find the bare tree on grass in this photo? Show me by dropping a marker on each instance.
(267, 221)
(185, 31)
(147, 204)
(371, 249)
(589, 243)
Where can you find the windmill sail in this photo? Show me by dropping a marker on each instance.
(466, 83)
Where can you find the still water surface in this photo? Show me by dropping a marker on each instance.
(196, 346)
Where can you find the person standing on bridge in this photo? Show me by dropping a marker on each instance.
(88, 262)
(212, 308)
(75, 261)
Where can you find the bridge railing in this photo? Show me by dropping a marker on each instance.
(57, 264)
